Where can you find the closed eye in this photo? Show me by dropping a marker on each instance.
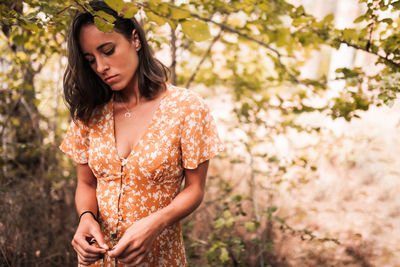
(107, 49)
(109, 52)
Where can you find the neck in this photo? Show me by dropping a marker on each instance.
(131, 94)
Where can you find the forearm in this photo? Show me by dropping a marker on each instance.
(187, 200)
(183, 205)
(85, 199)
(88, 227)
(85, 195)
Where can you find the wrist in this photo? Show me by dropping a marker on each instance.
(162, 220)
(87, 214)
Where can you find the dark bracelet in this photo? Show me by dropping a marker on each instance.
(88, 211)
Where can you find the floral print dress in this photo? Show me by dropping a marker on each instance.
(181, 135)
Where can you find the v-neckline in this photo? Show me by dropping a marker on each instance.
(149, 125)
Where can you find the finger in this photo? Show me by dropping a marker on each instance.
(130, 254)
(119, 248)
(139, 259)
(87, 257)
(80, 250)
(84, 253)
(82, 243)
(136, 260)
(98, 235)
(83, 261)
(92, 260)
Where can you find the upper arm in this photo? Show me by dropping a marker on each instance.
(197, 176)
(86, 176)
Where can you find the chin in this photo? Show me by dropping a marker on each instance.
(117, 87)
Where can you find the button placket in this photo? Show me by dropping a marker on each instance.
(121, 192)
(123, 162)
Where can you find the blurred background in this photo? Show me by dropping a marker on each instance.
(305, 97)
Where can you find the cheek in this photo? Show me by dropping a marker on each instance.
(131, 64)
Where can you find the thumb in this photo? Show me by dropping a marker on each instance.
(99, 238)
(118, 249)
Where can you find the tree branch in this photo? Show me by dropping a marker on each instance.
(64, 9)
(173, 53)
(228, 28)
(203, 59)
(384, 58)
(173, 56)
(4, 255)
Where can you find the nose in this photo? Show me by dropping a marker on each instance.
(102, 66)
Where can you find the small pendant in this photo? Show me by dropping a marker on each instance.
(127, 114)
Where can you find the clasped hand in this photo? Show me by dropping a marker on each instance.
(137, 241)
(131, 249)
(88, 229)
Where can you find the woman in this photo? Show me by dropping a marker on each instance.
(134, 138)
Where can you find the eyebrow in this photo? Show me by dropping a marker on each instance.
(98, 48)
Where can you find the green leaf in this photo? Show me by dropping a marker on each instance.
(227, 214)
(389, 102)
(384, 8)
(272, 159)
(250, 226)
(269, 245)
(21, 56)
(30, 27)
(396, 4)
(313, 168)
(224, 255)
(349, 34)
(237, 198)
(117, 5)
(218, 224)
(272, 209)
(19, 39)
(157, 19)
(279, 219)
(178, 13)
(129, 10)
(14, 121)
(105, 16)
(360, 19)
(161, 8)
(196, 30)
(329, 18)
(172, 24)
(103, 25)
(387, 20)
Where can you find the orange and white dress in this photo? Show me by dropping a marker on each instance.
(181, 135)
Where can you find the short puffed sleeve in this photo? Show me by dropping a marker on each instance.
(76, 142)
(199, 136)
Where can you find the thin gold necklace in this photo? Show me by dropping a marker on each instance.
(128, 113)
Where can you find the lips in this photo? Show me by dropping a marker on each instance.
(110, 79)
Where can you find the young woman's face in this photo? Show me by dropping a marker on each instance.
(111, 56)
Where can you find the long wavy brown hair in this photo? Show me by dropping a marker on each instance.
(84, 91)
